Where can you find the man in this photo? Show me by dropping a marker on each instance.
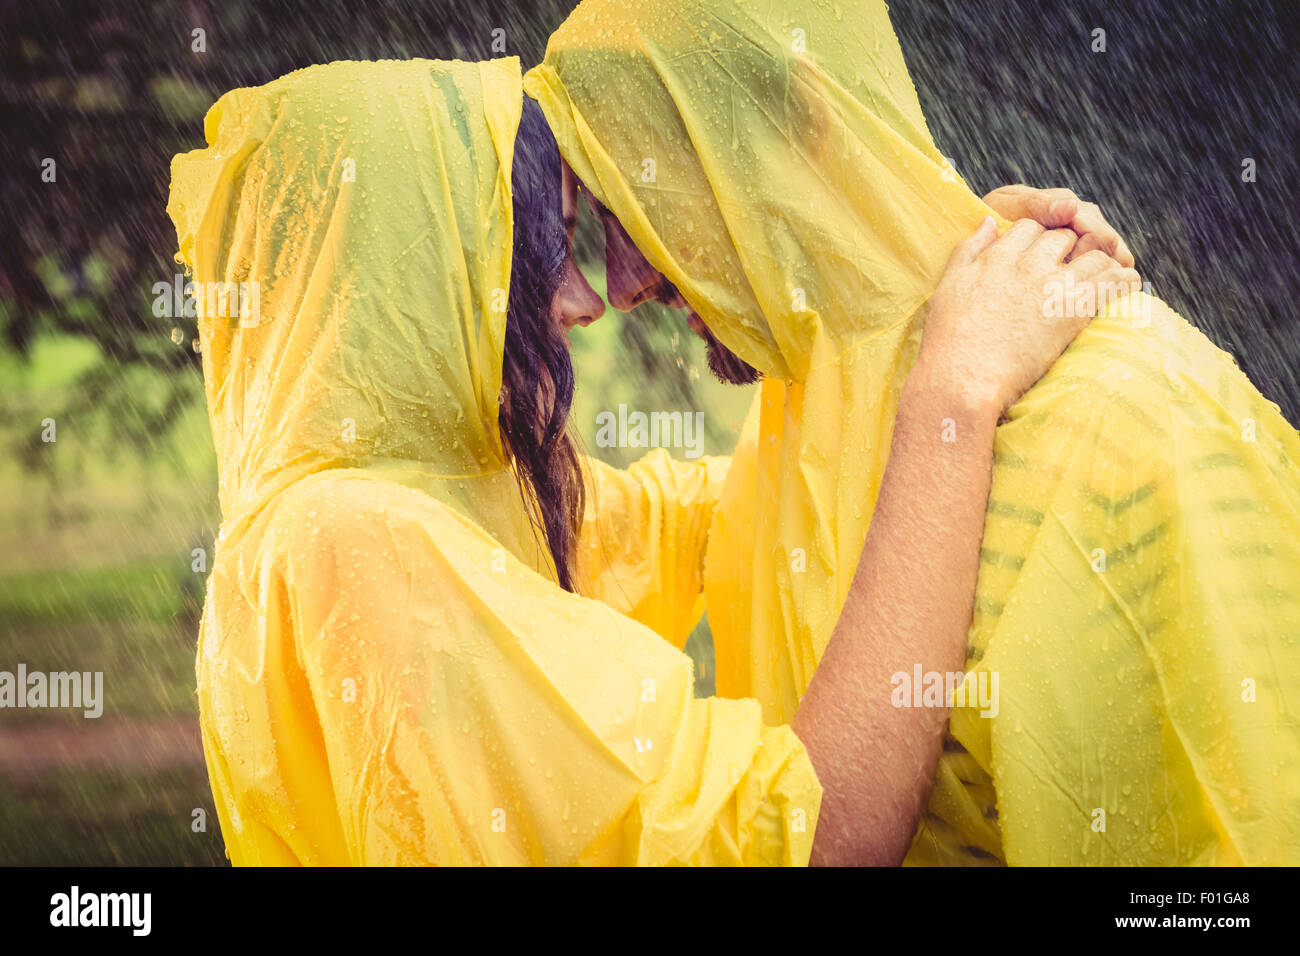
(774, 171)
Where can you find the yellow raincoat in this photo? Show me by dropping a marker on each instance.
(1139, 595)
(387, 672)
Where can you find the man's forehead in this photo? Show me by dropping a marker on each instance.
(573, 186)
(569, 201)
(598, 207)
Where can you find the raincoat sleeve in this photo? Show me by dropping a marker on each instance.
(472, 712)
(643, 542)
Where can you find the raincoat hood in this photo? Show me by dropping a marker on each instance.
(773, 163)
(367, 209)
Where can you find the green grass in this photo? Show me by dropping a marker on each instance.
(70, 818)
(148, 667)
(52, 363)
(143, 590)
(95, 575)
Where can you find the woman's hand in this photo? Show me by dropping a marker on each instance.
(1061, 209)
(1007, 307)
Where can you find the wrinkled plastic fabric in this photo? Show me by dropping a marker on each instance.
(387, 671)
(773, 162)
(643, 542)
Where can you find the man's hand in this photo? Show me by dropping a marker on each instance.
(1061, 209)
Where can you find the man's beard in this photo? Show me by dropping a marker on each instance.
(726, 364)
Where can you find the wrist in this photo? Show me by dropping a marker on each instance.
(970, 397)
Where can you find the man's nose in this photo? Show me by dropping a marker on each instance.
(630, 280)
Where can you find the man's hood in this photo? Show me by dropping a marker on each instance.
(773, 165)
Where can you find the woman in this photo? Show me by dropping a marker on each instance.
(393, 665)
(1138, 586)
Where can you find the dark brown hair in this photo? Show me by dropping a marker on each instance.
(537, 373)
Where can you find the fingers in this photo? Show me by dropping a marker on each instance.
(1121, 279)
(1056, 208)
(1089, 222)
(1110, 281)
(1114, 284)
(1116, 280)
(966, 251)
(1123, 255)
(1052, 208)
(1053, 244)
(1015, 242)
(1090, 264)
(1087, 243)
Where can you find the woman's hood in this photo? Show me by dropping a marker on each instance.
(773, 165)
(363, 211)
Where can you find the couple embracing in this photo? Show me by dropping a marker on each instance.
(435, 632)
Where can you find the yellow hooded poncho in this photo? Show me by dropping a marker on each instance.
(387, 672)
(1139, 595)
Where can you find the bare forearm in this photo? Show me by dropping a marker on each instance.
(910, 603)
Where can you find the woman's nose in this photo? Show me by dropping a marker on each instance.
(578, 303)
(592, 305)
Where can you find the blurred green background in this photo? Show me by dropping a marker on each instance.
(99, 529)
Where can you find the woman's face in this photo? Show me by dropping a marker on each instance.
(575, 302)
